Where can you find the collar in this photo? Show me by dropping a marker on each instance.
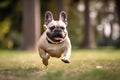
(52, 42)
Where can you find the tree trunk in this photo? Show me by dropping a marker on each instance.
(31, 24)
(117, 2)
(88, 39)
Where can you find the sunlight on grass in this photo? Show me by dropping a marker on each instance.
(85, 65)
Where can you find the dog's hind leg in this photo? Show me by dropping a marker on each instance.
(44, 56)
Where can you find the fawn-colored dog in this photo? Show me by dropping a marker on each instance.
(55, 41)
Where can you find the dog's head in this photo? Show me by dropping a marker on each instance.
(56, 30)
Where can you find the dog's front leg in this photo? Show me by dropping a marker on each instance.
(44, 56)
(67, 55)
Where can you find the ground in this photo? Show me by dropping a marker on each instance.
(85, 65)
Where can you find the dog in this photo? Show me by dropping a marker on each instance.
(55, 41)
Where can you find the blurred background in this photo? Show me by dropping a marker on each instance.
(92, 24)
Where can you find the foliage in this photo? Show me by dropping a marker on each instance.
(75, 25)
(100, 12)
(10, 23)
(85, 65)
(4, 28)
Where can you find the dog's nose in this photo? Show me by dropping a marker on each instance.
(57, 31)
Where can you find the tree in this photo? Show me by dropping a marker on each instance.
(31, 24)
(88, 39)
(117, 2)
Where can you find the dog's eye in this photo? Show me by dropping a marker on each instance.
(51, 28)
(62, 27)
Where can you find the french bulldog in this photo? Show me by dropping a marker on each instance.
(55, 41)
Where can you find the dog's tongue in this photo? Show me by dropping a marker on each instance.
(58, 38)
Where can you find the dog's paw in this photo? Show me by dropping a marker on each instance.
(45, 62)
(65, 60)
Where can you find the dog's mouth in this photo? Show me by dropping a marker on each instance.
(56, 38)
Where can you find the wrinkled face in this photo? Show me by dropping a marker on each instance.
(56, 30)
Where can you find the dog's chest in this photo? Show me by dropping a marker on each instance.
(56, 49)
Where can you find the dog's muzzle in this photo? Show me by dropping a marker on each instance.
(56, 37)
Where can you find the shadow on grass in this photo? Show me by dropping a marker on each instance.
(37, 74)
(18, 74)
(95, 74)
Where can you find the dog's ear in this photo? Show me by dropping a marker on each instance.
(48, 17)
(63, 17)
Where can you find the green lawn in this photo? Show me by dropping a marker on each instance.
(85, 65)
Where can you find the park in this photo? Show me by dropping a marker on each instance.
(93, 28)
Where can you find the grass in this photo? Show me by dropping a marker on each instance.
(85, 65)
